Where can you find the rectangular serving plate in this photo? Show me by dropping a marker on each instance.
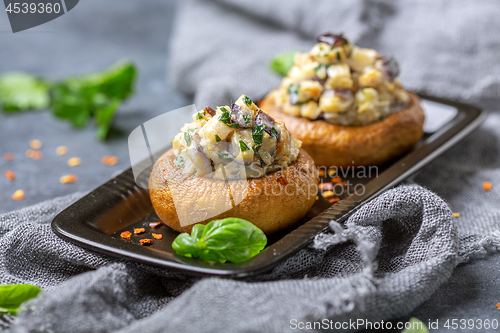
(96, 220)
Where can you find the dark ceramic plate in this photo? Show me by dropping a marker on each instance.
(96, 220)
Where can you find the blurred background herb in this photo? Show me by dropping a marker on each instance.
(76, 99)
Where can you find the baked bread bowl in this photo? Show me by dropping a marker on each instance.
(233, 162)
(346, 105)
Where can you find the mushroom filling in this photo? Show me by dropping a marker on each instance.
(342, 84)
(234, 142)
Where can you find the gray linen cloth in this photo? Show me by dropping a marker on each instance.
(387, 259)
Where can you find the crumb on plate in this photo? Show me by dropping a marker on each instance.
(126, 234)
(146, 241)
(68, 179)
(139, 230)
(18, 195)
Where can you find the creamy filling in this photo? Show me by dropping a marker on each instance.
(342, 84)
(234, 142)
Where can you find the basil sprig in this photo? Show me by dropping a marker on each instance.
(13, 295)
(230, 239)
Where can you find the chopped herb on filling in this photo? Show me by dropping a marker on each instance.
(247, 101)
(247, 119)
(258, 134)
(179, 162)
(243, 146)
(188, 135)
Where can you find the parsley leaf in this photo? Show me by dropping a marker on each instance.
(282, 63)
(217, 138)
(243, 146)
(19, 92)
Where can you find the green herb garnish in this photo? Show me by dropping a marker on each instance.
(13, 295)
(258, 134)
(188, 135)
(179, 162)
(225, 117)
(76, 99)
(19, 92)
(255, 150)
(338, 55)
(274, 132)
(247, 101)
(243, 146)
(282, 63)
(230, 239)
(217, 138)
(200, 115)
(247, 119)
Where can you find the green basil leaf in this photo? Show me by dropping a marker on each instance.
(20, 92)
(229, 239)
(243, 146)
(13, 295)
(282, 63)
(217, 138)
(417, 326)
(258, 134)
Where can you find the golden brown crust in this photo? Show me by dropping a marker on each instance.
(272, 202)
(342, 146)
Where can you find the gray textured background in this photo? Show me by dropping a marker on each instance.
(73, 44)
